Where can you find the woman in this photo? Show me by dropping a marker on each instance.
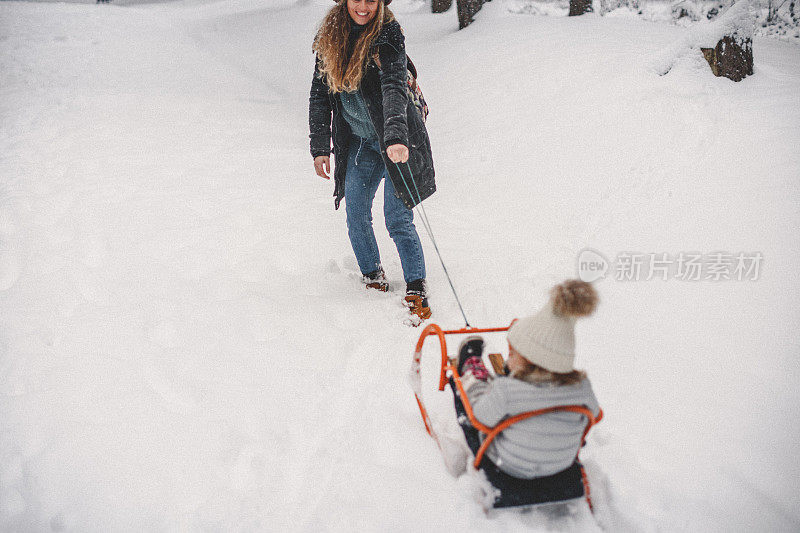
(359, 99)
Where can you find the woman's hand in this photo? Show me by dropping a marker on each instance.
(398, 153)
(322, 165)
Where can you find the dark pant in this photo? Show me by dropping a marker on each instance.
(470, 433)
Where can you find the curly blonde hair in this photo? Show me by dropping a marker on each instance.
(330, 44)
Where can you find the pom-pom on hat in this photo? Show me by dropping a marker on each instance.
(547, 339)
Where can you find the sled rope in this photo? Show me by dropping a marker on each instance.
(427, 225)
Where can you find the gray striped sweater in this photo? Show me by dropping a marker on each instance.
(538, 446)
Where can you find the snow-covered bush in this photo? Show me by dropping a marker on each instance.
(695, 10)
(737, 20)
(780, 18)
(607, 6)
(776, 18)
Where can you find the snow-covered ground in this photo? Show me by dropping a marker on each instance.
(184, 340)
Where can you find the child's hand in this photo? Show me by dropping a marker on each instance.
(475, 365)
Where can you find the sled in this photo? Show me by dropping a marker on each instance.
(509, 492)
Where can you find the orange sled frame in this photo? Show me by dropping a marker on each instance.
(449, 368)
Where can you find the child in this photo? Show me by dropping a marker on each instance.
(540, 361)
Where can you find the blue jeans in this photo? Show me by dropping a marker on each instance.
(365, 170)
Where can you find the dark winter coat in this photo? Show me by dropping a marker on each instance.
(396, 121)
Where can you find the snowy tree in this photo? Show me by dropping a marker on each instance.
(579, 7)
(467, 10)
(440, 6)
(606, 6)
(732, 55)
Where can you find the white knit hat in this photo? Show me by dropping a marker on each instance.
(547, 339)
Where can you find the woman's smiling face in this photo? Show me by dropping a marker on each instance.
(362, 11)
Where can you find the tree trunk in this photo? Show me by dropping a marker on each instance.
(732, 58)
(440, 6)
(467, 10)
(579, 7)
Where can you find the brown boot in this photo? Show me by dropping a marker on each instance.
(417, 301)
(418, 307)
(377, 280)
